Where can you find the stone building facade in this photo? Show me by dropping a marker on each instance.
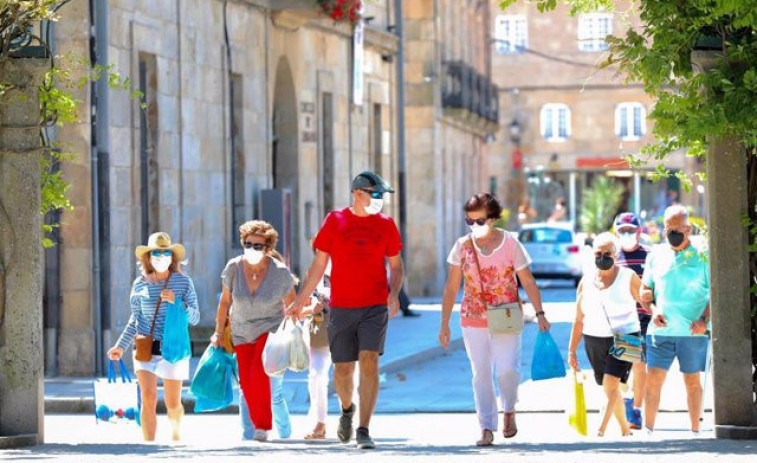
(242, 97)
(562, 120)
(451, 115)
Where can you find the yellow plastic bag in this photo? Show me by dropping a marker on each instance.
(577, 415)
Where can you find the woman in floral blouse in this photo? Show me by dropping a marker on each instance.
(501, 258)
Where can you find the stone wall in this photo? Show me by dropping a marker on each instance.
(76, 336)
(190, 98)
(447, 156)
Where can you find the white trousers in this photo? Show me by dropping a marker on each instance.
(318, 383)
(489, 354)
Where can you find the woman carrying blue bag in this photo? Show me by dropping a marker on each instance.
(161, 286)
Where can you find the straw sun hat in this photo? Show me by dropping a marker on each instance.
(161, 241)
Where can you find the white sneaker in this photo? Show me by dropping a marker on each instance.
(260, 436)
(648, 432)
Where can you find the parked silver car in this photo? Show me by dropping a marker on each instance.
(554, 250)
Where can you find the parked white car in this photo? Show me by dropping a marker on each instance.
(554, 249)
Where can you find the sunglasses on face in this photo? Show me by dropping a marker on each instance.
(603, 254)
(255, 246)
(158, 253)
(476, 221)
(374, 194)
(672, 230)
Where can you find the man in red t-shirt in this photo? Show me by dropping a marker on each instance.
(359, 240)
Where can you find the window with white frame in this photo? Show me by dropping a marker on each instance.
(555, 121)
(510, 34)
(592, 30)
(630, 121)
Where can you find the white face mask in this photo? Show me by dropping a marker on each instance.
(375, 206)
(252, 256)
(479, 231)
(627, 240)
(161, 264)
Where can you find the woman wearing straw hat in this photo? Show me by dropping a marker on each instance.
(160, 283)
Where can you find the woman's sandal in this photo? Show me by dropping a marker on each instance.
(487, 439)
(511, 429)
(316, 435)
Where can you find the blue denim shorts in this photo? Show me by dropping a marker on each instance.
(691, 352)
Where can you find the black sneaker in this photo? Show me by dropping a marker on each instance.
(364, 441)
(344, 431)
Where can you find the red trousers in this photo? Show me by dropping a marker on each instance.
(255, 383)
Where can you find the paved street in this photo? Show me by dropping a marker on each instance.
(422, 437)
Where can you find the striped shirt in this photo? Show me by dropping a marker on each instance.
(635, 261)
(144, 298)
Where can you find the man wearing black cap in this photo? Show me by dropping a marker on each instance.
(359, 240)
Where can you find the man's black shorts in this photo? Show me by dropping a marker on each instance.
(354, 330)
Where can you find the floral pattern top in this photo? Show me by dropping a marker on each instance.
(499, 271)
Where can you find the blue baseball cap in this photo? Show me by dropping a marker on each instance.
(627, 220)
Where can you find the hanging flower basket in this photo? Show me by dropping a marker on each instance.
(341, 10)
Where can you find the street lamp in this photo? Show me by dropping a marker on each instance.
(515, 132)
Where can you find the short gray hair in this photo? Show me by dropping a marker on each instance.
(603, 239)
(676, 210)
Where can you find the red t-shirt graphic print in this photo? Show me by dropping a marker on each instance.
(358, 247)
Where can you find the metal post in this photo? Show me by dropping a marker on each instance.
(401, 163)
(636, 193)
(573, 202)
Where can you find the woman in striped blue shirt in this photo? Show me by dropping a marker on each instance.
(160, 284)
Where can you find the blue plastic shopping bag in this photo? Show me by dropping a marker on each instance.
(547, 362)
(213, 382)
(175, 345)
(117, 400)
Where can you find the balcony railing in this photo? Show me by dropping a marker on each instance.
(467, 90)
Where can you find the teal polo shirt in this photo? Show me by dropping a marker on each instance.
(681, 284)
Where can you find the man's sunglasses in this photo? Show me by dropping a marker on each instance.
(158, 253)
(374, 194)
(603, 254)
(479, 222)
(255, 246)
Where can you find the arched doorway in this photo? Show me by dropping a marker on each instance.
(285, 149)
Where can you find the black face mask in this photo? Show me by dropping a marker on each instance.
(675, 238)
(604, 262)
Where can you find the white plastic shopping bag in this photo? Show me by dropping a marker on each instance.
(117, 400)
(277, 349)
(299, 355)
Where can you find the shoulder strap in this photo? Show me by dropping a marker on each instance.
(157, 306)
(602, 303)
(478, 267)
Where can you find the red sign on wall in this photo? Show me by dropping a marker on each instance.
(517, 159)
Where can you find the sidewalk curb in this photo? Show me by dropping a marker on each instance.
(86, 405)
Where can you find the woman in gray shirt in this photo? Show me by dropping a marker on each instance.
(256, 289)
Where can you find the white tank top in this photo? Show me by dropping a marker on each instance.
(618, 302)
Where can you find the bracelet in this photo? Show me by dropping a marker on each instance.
(217, 334)
(540, 313)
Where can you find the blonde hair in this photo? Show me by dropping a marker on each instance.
(603, 239)
(262, 229)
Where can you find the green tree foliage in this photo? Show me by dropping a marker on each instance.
(601, 201)
(18, 21)
(693, 105)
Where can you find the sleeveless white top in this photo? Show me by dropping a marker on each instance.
(618, 302)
